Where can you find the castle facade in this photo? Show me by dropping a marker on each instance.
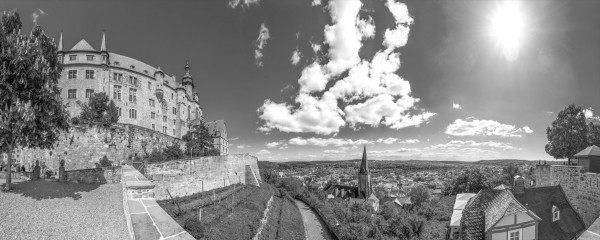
(144, 95)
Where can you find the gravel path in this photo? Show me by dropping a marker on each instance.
(314, 227)
(51, 210)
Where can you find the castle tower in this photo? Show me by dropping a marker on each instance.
(60, 52)
(103, 51)
(187, 81)
(364, 177)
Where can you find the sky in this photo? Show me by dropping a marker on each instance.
(316, 80)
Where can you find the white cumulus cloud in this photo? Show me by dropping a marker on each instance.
(36, 14)
(263, 152)
(296, 56)
(261, 42)
(343, 36)
(324, 142)
(456, 106)
(389, 140)
(410, 141)
(246, 3)
(475, 127)
(454, 144)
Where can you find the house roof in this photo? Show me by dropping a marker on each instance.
(540, 201)
(82, 45)
(592, 232)
(589, 151)
(459, 204)
(485, 209)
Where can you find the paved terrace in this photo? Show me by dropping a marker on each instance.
(47, 209)
(147, 218)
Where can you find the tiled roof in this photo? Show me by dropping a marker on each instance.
(589, 151)
(83, 45)
(540, 201)
(485, 209)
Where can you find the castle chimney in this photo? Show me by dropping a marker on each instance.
(519, 185)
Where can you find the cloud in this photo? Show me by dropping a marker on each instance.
(287, 88)
(234, 139)
(410, 141)
(273, 144)
(372, 93)
(296, 56)
(263, 152)
(389, 140)
(316, 3)
(392, 152)
(243, 146)
(315, 47)
(475, 127)
(456, 106)
(455, 144)
(334, 151)
(261, 42)
(318, 115)
(343, 36)
(246, 3)
(324, 142)
(366, 27)
(36, 14)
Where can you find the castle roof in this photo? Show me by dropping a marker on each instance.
(364, 166)
(82, 45)
(540, 201)
(589, 151)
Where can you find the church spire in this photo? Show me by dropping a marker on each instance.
(60, 43)
(364, 167)
(103, 46)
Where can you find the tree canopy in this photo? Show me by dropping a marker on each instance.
(100, 109)
(31, 110)
(469, 181)
(198, 141)
(568, 134)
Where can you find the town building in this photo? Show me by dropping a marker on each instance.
(218, 130)
(144, 95)
(518, 213)
(363, 193)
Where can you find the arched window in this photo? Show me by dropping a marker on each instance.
(555, 214)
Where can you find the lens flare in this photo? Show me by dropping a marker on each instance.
(507, 28)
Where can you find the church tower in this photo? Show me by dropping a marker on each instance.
(364, 177)
(60, 52)
(187, 81)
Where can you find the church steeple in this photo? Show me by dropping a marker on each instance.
(364, 177)
(364, 166)
(104, 53)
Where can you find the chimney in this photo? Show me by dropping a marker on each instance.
(519, 185)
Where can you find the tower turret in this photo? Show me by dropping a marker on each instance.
(364, 177)
(187, 81)
(60, 52)
(103, 51)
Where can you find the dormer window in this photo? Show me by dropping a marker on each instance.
(555, 214)
(132, 67)
(116, 63)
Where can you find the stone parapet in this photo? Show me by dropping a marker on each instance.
(92, 175)
(146, 219)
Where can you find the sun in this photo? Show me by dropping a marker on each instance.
(508, 28)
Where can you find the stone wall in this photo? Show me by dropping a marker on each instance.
(95, 175)
(83, 146)
(186, 177)
(582, 189)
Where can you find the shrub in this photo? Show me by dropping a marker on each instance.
(104, 162)
(156, 156)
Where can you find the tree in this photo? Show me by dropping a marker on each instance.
(104, 162)
(198, 141)
(418, 194)
(469, 181)
(31, 110)
(99, 109)
(173, 152)
(568, 134)
(594, 134)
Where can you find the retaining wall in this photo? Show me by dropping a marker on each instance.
(94, 175)
(186, 177)
(83, 146)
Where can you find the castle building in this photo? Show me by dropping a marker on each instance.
(144, 95)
